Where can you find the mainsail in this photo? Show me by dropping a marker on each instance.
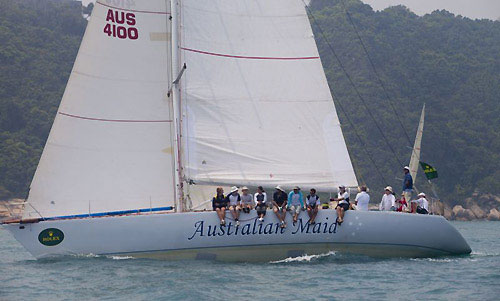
(257, 109)
(110, 146)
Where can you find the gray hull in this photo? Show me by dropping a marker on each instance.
(197, 235)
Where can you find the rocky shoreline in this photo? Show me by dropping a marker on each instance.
(11, 209)
(477, 207)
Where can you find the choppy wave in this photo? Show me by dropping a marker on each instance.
(304, 258)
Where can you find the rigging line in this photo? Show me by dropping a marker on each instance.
(375, 70)
(354, 86)
(363, 145)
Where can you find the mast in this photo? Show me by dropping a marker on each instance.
(415, 155)
(179, 193)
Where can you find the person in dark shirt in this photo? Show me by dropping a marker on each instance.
(261, 203)
(280, 199)
(219, 205)
(313, 202)
(408, 187)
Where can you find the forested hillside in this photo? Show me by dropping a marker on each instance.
(38, 44)
(448, 62)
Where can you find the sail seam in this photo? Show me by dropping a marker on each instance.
(133, 10)
(250, 57)
(110, 120)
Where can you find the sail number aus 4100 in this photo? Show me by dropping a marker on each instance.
(120, 25)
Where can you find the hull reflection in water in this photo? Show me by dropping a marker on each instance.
(198, 235)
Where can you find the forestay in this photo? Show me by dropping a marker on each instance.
(110, 146)
(256, 104)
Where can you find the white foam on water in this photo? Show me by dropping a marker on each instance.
(120, 257)
(484, 254)
(114, 257)
(434, 259)
(303, 258)
(446, 260)
(90, 255)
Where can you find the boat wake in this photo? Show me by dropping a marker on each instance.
(484, 254)
(304, 258)
(113, 257)
(120, 257)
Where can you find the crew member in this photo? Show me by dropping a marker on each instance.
(362, 199)
(313, 202)
(342, 200)
(407, 184)
(260, 203)
(279, 202)
(295, 203)
(234, 199)
(422, 204)
(388, 202)
(219, 205)
(247, 202)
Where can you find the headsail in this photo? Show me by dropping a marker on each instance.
(110, 146)
(257, 109)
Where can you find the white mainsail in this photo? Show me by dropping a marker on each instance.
(110, 147)
(415, 155)
(257, 109)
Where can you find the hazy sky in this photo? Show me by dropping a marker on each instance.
(474, 9)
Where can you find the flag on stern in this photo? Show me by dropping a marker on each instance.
(430, 172)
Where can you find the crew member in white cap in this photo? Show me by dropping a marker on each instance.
(246, 200)
(279, 202)
(422, 204)
(388, 202)
(407, 184)
(234, 200)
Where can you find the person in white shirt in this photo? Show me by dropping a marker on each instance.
(342, 204)
(362, 199)
(388, 202)
(422, 204)
(234, 201)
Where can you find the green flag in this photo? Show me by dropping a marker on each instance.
(430, 172)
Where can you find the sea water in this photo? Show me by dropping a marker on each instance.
(330, 276)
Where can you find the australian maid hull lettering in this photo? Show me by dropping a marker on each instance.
(254, 227)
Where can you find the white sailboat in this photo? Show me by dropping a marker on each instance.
(166, 96)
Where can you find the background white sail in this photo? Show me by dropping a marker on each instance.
(110, 146)
(415, 155)
(256, 103)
